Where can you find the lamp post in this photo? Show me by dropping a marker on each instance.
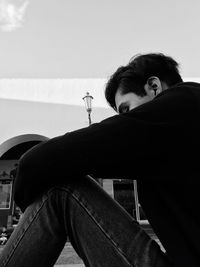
(137, 210)
(88, 104)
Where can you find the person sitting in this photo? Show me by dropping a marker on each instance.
(154, 139)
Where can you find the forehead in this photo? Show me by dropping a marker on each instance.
(121, 98)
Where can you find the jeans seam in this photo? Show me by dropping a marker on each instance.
(8, 258)
(97, 223)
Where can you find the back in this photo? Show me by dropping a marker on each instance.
(171, 201)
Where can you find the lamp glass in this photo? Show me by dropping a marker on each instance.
(88, 102)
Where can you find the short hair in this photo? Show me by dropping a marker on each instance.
(133, 76)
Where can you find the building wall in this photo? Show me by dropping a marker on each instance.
(47, 119)
(34, 110)
(49, 107)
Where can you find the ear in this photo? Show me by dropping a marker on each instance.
(153, 86)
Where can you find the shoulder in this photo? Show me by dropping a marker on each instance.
(175, 104)
(183, 88)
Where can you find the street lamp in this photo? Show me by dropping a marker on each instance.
(88, 104)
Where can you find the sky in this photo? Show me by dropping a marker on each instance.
(51, 39)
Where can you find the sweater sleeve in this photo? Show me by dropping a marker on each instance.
(124, 145)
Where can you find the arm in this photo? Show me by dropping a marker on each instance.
(97, 150)
(116, 147)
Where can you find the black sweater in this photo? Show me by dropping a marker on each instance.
(157, 143)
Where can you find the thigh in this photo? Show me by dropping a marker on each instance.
(103, 233)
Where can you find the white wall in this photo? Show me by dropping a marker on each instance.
(48, 107)
(23, 117)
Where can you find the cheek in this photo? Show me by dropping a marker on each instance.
(145, 100)
(138, 102)
(132, 107)
(134, 104)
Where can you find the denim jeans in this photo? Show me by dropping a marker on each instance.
(100, 230)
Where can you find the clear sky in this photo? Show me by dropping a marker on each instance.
(91, 38)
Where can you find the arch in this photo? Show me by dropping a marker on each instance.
(14, 141)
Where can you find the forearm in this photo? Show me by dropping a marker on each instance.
(91, 150)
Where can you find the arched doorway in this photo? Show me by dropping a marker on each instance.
(10, 152)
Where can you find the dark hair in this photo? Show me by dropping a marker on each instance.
(133, 76)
